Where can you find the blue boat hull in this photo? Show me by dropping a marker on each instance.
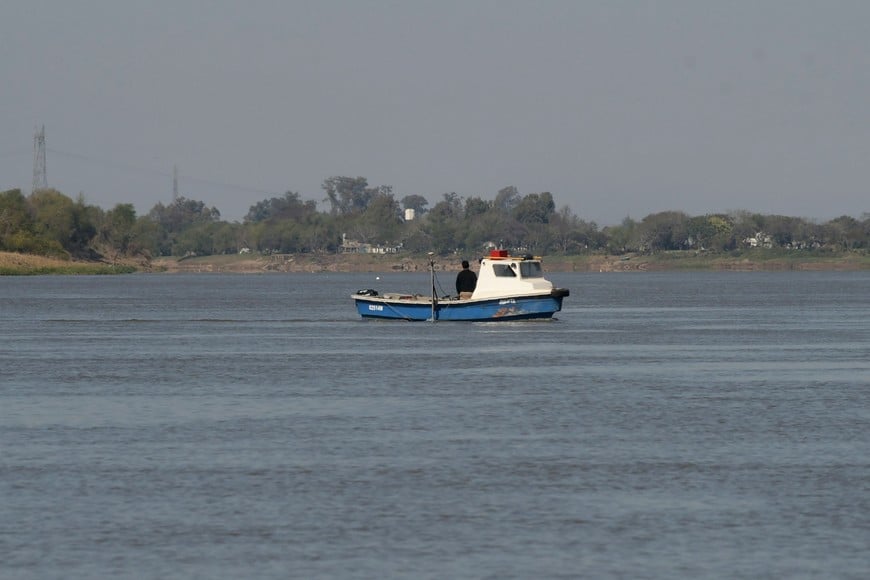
(496, 309)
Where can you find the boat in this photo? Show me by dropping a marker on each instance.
(508, 288)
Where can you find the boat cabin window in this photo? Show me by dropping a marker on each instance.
(531, 270)
(503, 270)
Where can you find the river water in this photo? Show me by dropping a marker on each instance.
(673, 425)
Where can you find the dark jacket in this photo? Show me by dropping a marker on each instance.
(466, 280)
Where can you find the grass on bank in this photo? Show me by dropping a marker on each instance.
(776, 259)
(769, 259)
(12, 264)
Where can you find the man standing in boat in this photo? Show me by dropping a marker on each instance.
(466, 281)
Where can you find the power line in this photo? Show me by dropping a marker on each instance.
(229, 185)
(17, 153)
(174, 175)
(108, 163)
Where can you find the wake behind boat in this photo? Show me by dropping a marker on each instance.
(508, 288)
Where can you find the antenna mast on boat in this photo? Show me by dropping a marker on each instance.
(432, 281)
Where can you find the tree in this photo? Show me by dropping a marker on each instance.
(182, 214)
(70, 224)
(381, 220)
(570, 234)
(534, 208)
(746, 225)
(226, 237)
(53, 215)
(506, 199)
(175, 219)
(148, 238)
(664, 231)
(321, 234)
(416, 202)
(479, 224)
(117, 230)
(846, 232)
(443, 223)
(534, 211)
(347, 194)
(709, 232)
(475, 206)
(785, 230)
(16, 222)
(290, 206)
(198, 239)
(723, 227)
(623, 238)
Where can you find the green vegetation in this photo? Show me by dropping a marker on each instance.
(14, 264)
(78, 269)
(362, 218)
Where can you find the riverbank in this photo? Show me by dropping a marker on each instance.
(12, 264)
(752, 260)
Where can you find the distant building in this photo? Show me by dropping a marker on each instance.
(355, 247)
(760, 240)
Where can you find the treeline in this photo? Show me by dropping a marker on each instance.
(47, 222)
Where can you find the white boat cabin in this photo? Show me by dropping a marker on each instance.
(502, 275)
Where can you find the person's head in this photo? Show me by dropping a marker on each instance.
(464, 264)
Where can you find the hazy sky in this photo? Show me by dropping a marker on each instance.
(616, 107)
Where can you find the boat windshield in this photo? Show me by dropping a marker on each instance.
(503, 270)
(531, 270)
